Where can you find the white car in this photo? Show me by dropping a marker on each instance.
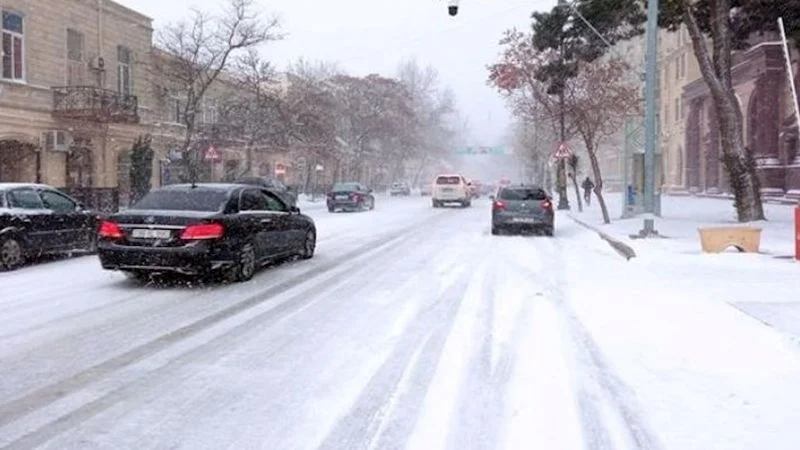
(451, 188)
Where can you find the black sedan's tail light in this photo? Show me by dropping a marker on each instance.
(110, 230)
(203, 231)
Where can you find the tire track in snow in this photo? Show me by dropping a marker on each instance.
(40, 398)
(595, 371)
(362, 425)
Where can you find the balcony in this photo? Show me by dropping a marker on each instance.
(90, 103)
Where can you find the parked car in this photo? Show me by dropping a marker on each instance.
(350, 197)
(426, 190)
(523, 207)
(286, 194)
(203, 229)
(400, 189)
(37, 219)
(451, 189)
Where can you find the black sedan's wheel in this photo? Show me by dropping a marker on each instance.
(495, 231)
(309, 245)
(12, 252)
(245, 266)
(372, 204)
(137, 276)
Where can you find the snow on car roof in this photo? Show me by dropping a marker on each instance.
(4, 186)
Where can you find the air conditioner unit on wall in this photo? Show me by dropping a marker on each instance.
(97, 63)
(56, 141)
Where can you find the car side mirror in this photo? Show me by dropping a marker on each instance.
(491, 197)
(294, 210)
(369, 191)
(79, 206)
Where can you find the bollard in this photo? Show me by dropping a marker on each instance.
(797, 232)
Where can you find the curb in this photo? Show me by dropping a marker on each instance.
(625, 250)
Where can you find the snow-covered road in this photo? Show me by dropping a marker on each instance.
(413, 327)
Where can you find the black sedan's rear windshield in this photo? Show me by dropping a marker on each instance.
(344, 187)
(196, 199)
(523, 194)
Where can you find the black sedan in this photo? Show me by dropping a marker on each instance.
(203, 229)
(37, 219)
(350, 197)
(286, 194)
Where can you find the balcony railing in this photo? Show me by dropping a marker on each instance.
(94, 104)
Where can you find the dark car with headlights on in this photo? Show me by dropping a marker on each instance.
(36, 219)
(523, 207)
(350, 197)
(203, 229)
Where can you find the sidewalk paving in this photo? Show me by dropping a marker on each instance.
(765, 285)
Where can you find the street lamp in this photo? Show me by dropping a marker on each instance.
(651, 35)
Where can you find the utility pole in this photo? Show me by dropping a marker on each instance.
(561, 179)
(651, 35)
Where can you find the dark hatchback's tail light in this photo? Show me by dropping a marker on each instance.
(203, 231)
(547, 204)
(498, 205)
(110, 230)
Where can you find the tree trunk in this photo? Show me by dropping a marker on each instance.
(598, 179)
(577, 192)
(716, 71)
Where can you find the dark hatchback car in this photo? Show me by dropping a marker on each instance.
(203, 229)
(523, 207)
(350, 197)
(37, 219)
(286, 194)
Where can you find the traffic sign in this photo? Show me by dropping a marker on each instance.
(563, 151)
(212, 154)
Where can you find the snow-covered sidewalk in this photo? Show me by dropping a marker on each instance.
(763, 285)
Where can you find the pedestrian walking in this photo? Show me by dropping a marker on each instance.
(587, 186)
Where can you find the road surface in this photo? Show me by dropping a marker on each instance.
(412, 327)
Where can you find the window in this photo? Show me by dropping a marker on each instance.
(449, 180)
(683, 111)
(345, 187)
(183, 199)
(252, 200)
(677, 69)
(677, 109)
(12, 46)
(58, 202)
(177, 105)
(25, 199)
(273, 203)
(75, 52)
(521, 194)
(209, 111)
(124, 74)
(683, 65)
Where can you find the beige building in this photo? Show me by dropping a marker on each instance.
(611, 150)
(72, 92)
(677, 68)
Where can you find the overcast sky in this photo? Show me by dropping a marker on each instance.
(373, 36)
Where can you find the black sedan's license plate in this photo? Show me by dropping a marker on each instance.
(146, 233)
(524, 220)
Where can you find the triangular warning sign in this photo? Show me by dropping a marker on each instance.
(563, 151)
(212, 154)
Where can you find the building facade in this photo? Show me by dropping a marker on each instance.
(72, 92)
(677, 67)
(770, 127)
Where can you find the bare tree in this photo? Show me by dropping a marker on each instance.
(599, 99)
(201, 49)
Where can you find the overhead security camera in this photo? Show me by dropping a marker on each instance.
(452, 7)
